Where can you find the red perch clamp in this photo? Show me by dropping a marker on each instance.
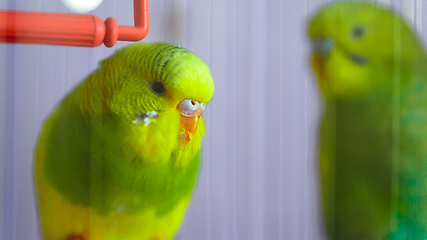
(71, 29)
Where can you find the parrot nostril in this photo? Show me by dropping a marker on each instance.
(323, 45)
(328, 44)
(190, 107)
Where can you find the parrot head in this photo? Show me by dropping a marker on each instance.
(355, 46)
(158, 92)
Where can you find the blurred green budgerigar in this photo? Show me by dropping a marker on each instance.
(372, 73)
(119, 157)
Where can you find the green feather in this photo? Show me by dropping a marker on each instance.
(373, 134)
(95, 154)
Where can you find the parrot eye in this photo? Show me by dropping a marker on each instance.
(357, 32)
(157, 87)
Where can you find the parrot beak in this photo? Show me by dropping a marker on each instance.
(322, 46)
(188, 127)
(190, 111)
(318, 65)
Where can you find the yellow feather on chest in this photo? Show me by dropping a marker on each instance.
(62, 219)
(85, 222)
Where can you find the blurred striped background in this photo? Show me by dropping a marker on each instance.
(259, 176)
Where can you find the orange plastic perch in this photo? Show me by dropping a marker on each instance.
(71, 29)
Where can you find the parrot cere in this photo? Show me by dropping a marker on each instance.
(372, 74)
(120, 155)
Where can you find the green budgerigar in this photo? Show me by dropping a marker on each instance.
(372, 73)
(119, 158)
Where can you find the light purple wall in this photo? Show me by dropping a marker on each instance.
(259, 176)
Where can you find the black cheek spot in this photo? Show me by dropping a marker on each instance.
(359, 59)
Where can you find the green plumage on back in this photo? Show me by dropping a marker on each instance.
(123, 148)
(371, 70)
